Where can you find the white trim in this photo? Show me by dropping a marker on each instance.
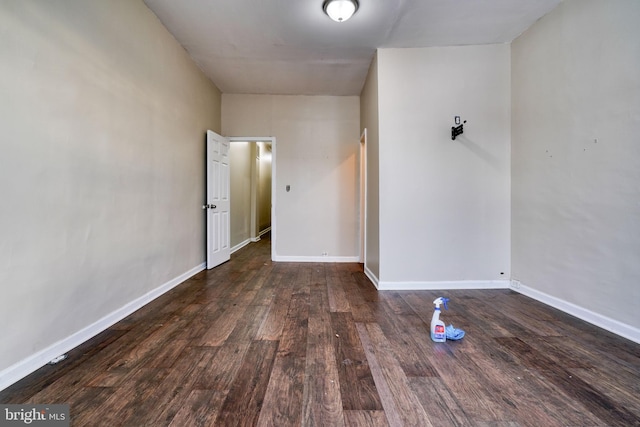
(273, 197)
(363, 197)
(251, 139)
(371, 276)
(316, 258)
(626, 331)
(263, 232)
(242, 245)
(442, 285)
(254, 177)
(21, 369)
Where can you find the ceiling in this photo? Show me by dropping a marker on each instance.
(292, 47)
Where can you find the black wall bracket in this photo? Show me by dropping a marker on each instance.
(457, 130)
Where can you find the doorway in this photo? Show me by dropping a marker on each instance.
(252, 190)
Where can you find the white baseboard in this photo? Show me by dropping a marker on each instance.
(240, 245)
(21, 369)
(618, 328)
(443, 285)
(249, 240)
(263, 232)
(371, 276)
(279, 258)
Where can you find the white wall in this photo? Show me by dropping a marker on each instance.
(369, 120)
(317, 146)
(103, 119)
(576, 160)
(444, 205)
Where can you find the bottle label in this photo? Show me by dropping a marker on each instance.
(438, 333)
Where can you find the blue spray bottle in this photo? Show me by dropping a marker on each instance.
(437, 326)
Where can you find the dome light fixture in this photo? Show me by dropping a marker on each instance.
(340, 10)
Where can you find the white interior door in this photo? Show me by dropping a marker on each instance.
(218, 206)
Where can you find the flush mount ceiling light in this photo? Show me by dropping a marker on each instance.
(340, 10)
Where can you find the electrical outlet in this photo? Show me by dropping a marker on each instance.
(515, 284)
(325, 253)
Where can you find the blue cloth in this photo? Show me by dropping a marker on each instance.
(453, 333)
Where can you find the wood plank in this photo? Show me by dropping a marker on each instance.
(168, 354)
(106, 371)
(52, 376)
(147, 390)
(400, 403)
(397, 305)
(441, 406)
(524, 392)
(322, 401)
(152, 343)
(282, 404)
(198, 326)
(247, 327)
(223, 325)
(338, 301)
(131, 396)
(465, 385)
(200, 409)
(271, 328)
(365, 419)
(295, 330)
(536, 321)
(87, 405)
(244, 401)
(612, 388)
(174, 391)
(595, 402)
(359, 297)
(270, 284)
(264, 269)
(357, 387)
(402, 331)
(570, 354)
(223, 369)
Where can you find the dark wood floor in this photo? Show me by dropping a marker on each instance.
(282, 344)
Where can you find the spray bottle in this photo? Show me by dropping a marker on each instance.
(437, 326)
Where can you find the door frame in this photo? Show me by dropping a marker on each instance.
(272, 141)
(363, 197)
